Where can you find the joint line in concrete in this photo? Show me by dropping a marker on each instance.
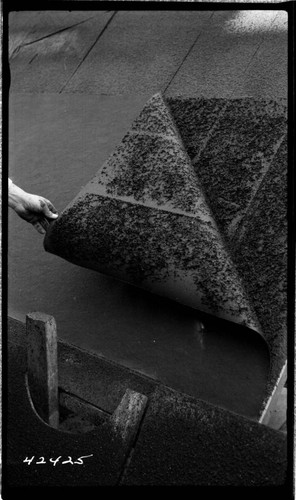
(186, 55)
(25, 44)
(88, 51)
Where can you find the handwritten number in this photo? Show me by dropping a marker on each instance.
(55, 461)
(68, 461)
(80, 461)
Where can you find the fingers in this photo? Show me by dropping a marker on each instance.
(39, 227)
(48, 209)
(44, 223)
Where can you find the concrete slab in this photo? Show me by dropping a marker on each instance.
(185, 442)
(29, 26)
(267, 74)
(225, 60)
(139, 53)
(46, 64)
(20, 25)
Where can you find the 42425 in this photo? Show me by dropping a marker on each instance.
(55, 461)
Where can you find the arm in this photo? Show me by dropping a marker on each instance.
(34, 209)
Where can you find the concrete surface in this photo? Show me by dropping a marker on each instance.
(181, 441)
(233, 53)
(35, 66)
(29, 26)
(186, 442)
(240, 54)
(139, 52)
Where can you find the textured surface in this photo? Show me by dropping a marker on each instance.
(105, 448)
(36, 65)
(103, 467)
(241, 53)
(139, 53)
(197, 53)
(187, 442)
(131, 222)
(181, 440)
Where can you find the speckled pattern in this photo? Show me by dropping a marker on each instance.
(240, 159)
(260, 252)
(181, 440)
(158, 250)
(188, 200)
(186, 442)
(232, 151)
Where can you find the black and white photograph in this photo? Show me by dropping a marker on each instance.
(148, 188)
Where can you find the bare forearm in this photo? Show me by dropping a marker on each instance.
(36, 210)
(16, 195)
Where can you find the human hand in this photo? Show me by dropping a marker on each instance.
(34, 209)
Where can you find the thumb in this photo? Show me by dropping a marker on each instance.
(48, 209)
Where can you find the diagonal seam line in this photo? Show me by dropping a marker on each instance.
(189, 51)
(22, 45)
(127, 199)
(89, 50)
(210, 133)
(236, 235)
(263, 40)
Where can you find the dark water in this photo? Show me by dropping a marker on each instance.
(57, 143)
